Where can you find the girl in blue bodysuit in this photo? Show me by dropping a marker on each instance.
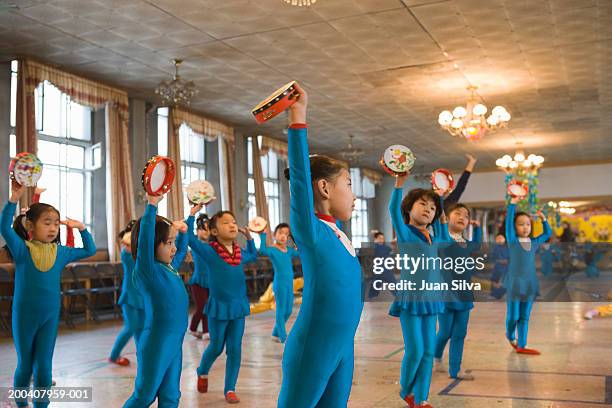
(39, 262)
(166, 305)
(418, 311)
(281, 257)
(319, 353)
(521, 281)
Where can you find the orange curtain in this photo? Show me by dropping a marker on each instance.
(120, 207)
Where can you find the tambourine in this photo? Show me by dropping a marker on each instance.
(258, 224)
(26, 169)
(517, 189)
(275, 103)
(158, 175)
(200, 192)
(442, 180)
(397, 160)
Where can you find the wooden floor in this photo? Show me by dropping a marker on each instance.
(575, 370)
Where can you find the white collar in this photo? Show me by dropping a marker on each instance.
(341, 236)
(457, 237)
(524, 239)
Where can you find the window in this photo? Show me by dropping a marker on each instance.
(162, 149)
(363, 189)
(193, 159)
(12, 132)
(269, 167)
(65, 148)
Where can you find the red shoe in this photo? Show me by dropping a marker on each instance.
(424, 405)
(529, 351)
(513, 343)
(202, 384)
(231, 397)
(409, 400)
(122, 361)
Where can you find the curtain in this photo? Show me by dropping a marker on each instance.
(374, 176)
(120, 192)
(277, 146)
(210, 130)
(261, 201)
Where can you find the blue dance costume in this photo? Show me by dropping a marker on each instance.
(453, 322)
(319, 354)
(227, 306)
(521, 282)
(549, 253)
(36, 305)
(282, 284)
(200, 271)
(132, 306)
(417, 312)
(166, 305)
(500, 268)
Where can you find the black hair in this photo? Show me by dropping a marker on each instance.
(33, 214)
(322, 168)
(127, 229)
(213, 222)
(203, 222)
(416, 194)
(454, 206)
(282, 225)
(162, 232)
(378, 234)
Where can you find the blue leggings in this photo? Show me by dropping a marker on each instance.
(226, 333)
(419, 344)
(133, 321)
(160, 359)
(34, 334)
(452, 325)
(283, 294)
(517, 320)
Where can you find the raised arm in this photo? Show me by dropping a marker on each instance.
(402, 231)
(263, 246)
(510, 233)
(89, 247)
(249, 254)
(201, 248)
(543, 237)
(455, 195)
(145, 258)
(181, 250)
(14, 242)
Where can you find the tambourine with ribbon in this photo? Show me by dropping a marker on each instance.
(397, 160)
(158, 175)
(257, 224)
(200, 192)
(275, 103)
(517, 189)
(442, 180)
(26, 169)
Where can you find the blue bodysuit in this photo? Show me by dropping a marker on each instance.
(282, 284)
(36, 305)
(417, 311)
(319, 354)
(226, 308)
(521, 281)
(132, 306)
(453, 322)
(166, 304)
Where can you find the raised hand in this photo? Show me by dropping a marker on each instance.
(515, 200)
(70, 223)
(401, 179)
(245, 231)
(154, 200)
(475, 223)
(471, 162)
(196, 208)
(17, 191)
(180, 226)
(298, 109)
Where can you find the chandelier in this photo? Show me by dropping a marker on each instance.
(177, 91)
(351, 153)
(563, 207)
(470, 121)
(511, 164)
(301, 2)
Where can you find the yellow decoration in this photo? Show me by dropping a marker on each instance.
(267, 302)
(43, 255)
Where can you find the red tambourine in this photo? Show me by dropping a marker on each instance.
(257, 224)
(517, 189)
(442, 180)
(275, 103)
(158, 175)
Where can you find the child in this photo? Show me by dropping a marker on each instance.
(319, 353)
(521, 282)
(418, 311)
(381, 250)
(549, 253)
(281, 257)
(199, 281)
(39, 262)
(166, 308)
(130, 301)
(500, 266)
(454, 321)
(228, 304)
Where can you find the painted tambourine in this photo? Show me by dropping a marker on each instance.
(200, 192)
(275, 103)
(258, 224)
(442, 180)
(26, 169)
(158, 175)
(397, 160)
(517, 189)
